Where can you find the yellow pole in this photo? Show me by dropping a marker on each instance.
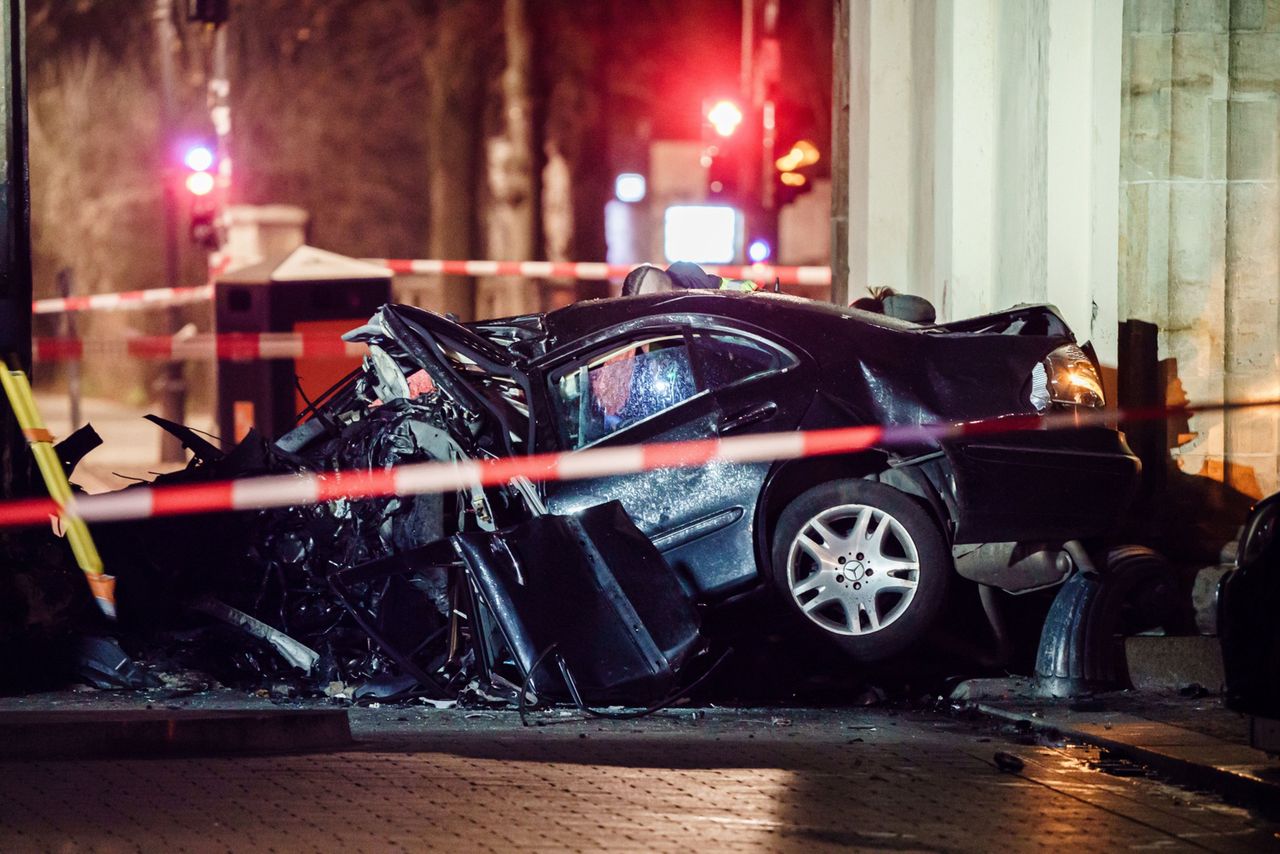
(18, 390)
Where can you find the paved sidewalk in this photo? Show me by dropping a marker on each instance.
(1196, 740)
(714, 779)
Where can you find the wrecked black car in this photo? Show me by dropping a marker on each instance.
(440, 594)
(860, 547)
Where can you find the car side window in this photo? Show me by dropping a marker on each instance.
(622, 387)
(725, 359)
(644, 377)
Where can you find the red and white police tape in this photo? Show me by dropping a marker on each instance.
(164, 297)
(227, 346)
(124, 300)
(261, 493)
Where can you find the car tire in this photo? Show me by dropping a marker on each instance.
(872, 599)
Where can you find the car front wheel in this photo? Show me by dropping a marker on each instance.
(863, 564)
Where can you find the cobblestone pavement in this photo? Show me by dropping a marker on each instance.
(726, 780)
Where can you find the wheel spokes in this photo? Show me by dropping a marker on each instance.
(824, 597)
(815, 549)
(873, 618)
(852, 619)
(805, 585)
(892, 565)
(875, 546)
(858, 536)
(876, 556)
(895, 584)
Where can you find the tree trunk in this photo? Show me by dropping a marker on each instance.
(512, 221)
(455, 115)
(576, 175)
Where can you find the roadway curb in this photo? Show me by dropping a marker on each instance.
(148, 733)
(1239, 773)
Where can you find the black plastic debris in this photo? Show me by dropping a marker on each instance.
(103, 664)
(607, 603)
(73, 449)
(1009, 763)
(387, 688)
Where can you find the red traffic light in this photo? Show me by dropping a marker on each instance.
(724, 117)
(200, 160)
(200, 183)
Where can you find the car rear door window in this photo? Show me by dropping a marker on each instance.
(622, 387)
(635, 381)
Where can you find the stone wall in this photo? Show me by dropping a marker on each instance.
(1200, 229)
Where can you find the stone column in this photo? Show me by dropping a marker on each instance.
(983, 155)
(891, 146)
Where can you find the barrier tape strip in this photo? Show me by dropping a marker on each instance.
(148, 298)
(227, 346)
(433, 477)
(763, 273)
(164, 297)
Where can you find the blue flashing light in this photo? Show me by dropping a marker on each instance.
(198, 159)
(759, 251)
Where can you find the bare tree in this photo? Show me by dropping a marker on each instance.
(513, 193)
(327, 97)
(461, 36)
(95, 188)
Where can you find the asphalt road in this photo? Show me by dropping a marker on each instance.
(718, 780)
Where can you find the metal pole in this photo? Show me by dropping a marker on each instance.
(66, 286)
(768, 134)
(171, 383)
(840, 156)
(748, 191)
(219, 100)
(15, 239)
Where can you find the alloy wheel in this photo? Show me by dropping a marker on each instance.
(853, 569)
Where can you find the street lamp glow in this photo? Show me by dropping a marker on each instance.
(198, 159)
(725, 117)
(803, 153)
(629, 187)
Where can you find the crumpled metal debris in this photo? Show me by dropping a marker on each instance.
(297, 654)
(370, 600)
(373, 596)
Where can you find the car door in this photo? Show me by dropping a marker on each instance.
(667, 385)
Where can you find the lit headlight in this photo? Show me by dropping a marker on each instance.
(1066, 376)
